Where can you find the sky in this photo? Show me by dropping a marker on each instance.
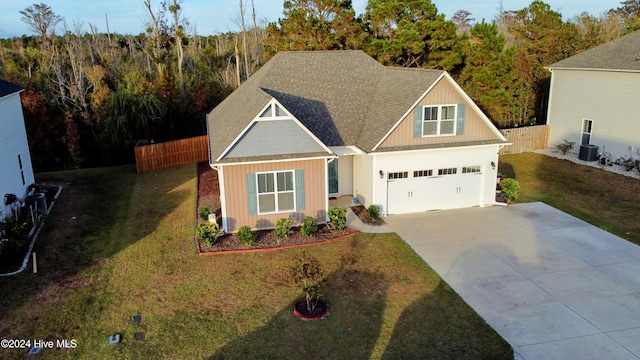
(209, 17)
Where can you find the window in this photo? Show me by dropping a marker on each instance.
(276, 192)
(439, 120)
(448, 171)
(422, 173)
(21, 169)
(587, 126)
(471, 169)
(398, 175)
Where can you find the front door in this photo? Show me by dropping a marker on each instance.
(332, 181)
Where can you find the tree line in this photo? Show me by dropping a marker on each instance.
(90, 96)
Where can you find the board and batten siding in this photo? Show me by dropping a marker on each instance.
(608, 98)
(13, 141)
(443, 93)
(237, 202)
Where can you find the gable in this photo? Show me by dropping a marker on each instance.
(470, 123)
(275, 131)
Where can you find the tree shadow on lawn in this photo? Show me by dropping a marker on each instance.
(356, 300)
(99, 213)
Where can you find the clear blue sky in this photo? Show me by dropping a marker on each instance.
(215, 16)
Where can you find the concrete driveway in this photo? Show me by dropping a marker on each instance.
(552, 285)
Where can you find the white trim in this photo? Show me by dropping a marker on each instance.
(274, 161)
(582, 132)
(223, 199)
(550, 100)
(435, 149)
(591, 69)
(326, 192)
(257, 118)
(346, 150)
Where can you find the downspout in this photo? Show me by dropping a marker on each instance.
(223, 200)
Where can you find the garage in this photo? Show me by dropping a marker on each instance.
(418, 190)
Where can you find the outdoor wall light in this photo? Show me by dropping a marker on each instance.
(381, 174)
(493, 165)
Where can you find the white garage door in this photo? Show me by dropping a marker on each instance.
(433, 189)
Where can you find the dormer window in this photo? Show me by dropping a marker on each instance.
(439, 120)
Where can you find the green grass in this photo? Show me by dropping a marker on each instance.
(119, 244)
(607, 200)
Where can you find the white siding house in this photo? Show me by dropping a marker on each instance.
(595, 98)
(16, 172)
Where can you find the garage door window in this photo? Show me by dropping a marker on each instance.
(398, 175)
(447, 171)
(422, 173)
(471, 169)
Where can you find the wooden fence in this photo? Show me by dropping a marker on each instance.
(171, 153)
(525, 139)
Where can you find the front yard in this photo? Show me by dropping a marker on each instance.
(119, 244)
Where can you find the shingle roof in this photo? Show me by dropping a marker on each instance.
(343, 97)
(7, 88)
(621, 54)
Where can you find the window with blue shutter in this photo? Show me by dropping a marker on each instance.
(417, 121)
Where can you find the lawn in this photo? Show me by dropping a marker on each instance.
(119, 244)
(607, 200)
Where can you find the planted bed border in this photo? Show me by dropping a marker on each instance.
(243, 251)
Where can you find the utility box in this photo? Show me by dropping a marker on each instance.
(588, 152)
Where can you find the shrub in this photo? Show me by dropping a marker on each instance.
(338, 216)
(565, 146)
(510, 188)
(282, 229)
(373, 212)
(204, 212)
(207, 233)
(309, 226)
(246, 236)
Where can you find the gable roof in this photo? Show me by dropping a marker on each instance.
(7, 88)
(621, 54)
(343, 97)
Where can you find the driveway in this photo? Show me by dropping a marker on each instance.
(552, 285)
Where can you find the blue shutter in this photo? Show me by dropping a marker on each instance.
(460, 125)
(417, 121)
(300, 189)
(252, 194)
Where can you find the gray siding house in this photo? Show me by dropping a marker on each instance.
(16, 173)
(595, 98)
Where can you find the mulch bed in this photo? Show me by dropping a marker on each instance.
(361, 213)
(209, 194)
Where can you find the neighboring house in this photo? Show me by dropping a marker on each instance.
(16, 173)
(595, 98)
(313, 125)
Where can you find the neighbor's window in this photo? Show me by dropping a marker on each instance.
(276, 192)
(439, 120)
(21, 169)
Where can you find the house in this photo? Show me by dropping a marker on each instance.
(594, 98)
(313, 125)
(15, 161)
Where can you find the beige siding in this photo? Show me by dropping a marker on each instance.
(237, 203)
(442, 94)
(610, 99)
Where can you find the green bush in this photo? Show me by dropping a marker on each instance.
(565, 147)
(510, 188)
(338, 216)
(309, 226)
(282, 229)
(246, 236)
(207, 233)
(204, 212)
(373, 212)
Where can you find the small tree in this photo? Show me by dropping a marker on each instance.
(207, 233)
(246, 236)
(308, 273)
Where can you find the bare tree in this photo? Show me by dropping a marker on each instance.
(178, 33)
(154, 30)
(41, 19)
(462, 19)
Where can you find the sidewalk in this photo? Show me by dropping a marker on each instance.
(353, 221)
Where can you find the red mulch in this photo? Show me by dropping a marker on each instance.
(361, 213)
(209, 194)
